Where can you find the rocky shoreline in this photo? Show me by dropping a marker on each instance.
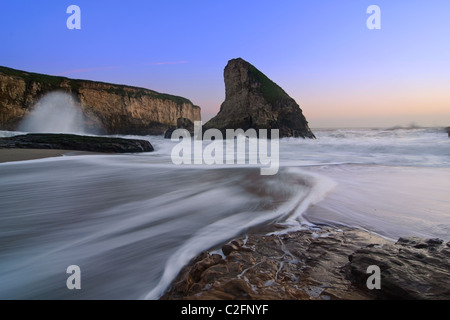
(326, 263)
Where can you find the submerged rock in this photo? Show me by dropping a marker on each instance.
(76, 142)
(252, 100)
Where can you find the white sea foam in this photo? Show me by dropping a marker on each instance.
(55, 112)
(131, 222)
(309, 190)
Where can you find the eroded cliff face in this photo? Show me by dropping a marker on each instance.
(252, 100)
(108, 108)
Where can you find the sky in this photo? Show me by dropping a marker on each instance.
(340, 72)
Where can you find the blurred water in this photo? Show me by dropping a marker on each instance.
(390, 201)
(131, 222)
(122, 220)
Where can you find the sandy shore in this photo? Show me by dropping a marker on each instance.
(10, 155)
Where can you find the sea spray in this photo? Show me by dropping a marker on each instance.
(55, 112)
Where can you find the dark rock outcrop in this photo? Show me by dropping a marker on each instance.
(182, 123)
(412, 268)
(448, 131)
(107, 108)
(316, 264)
(252, 100)
(76, 142)
(303, 265)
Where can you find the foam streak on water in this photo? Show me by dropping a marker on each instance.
(129, 225)
(131, 222)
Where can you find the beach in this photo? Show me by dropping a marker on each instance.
(11, 155)
(225, 150)
(132, 222)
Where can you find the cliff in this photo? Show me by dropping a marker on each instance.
(108, 108)
(252, 100)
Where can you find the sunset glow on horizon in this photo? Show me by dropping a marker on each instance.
(321, 53)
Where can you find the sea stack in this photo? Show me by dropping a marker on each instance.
(448, 131)
(252, 100)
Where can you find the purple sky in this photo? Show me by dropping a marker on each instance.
(321, 52)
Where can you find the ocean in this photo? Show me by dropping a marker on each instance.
(131, 222)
